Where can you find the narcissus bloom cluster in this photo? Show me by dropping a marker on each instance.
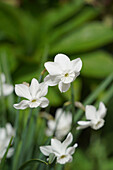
(62, 72)
(62, 152)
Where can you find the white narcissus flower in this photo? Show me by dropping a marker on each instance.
(94, 117)
(63, 121)
(34, 93)
(62, 71)
(62, 152)
(5, 89)
(5, 136)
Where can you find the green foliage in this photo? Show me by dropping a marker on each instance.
(97, 64)
(29, 39)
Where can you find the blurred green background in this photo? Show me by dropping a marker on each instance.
(34, 31)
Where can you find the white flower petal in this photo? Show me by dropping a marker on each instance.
(2, 78)
(51, 80)
(67, 141)
(46, 150)
(71, 150)
(49, 132)
(68, 79)
(2, 152)
(2, 134)
(90, 112)
(34, 104)
(22, 105)
(43, 89)
(97, 124)
(63, 121)
(64, 159)
(51, 124)
(63, 61)
(76, 65)
(44, 102)
(63, 87)
(34, 87)
(56, 146)
(22, 90)
(10, 152)
(9, 129)
(7, 89)
(58, 113)
(76, 75)
(83, 124)
(5, 135)
(53, 68)
(102, 110)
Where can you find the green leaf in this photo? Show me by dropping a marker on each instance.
(6, 49)
(86, 14)
(57, 16)
(97, 64)
(88, 37)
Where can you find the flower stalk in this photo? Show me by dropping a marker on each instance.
(73, 104)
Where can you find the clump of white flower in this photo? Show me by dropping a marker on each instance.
(62, 71)
(5, 137)
(34, 93)
(94, 117)
(5, 89)
(62, 152)
(61, 124)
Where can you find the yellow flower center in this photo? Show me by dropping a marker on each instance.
(98, 123)
(66, 75)
(63, 156)
(34, 100)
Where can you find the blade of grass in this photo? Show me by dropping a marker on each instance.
(6, 70)
(2, 99)
(24, 138)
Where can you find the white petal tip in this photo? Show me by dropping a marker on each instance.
(75, 145)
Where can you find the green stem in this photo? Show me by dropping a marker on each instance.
(31, 161)
(16, 126)
(73, 104)
(56, 125)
